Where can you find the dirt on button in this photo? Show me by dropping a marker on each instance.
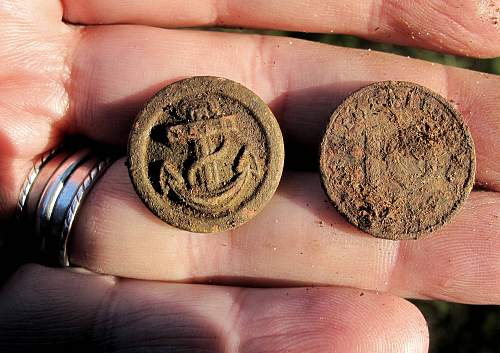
(397, 160)
(205, 154)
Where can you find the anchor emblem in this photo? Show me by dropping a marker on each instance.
(220, 171)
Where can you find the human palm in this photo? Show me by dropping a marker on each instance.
(60, 79)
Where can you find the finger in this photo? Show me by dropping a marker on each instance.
(298, 239)
(106, 90)
(462, 27)
(85, 312)
(34, 44)
(303, 82)
(33, 99)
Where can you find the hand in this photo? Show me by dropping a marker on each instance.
(59, 79)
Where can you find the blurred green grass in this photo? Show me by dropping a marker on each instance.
(460, 328)
(453, 328)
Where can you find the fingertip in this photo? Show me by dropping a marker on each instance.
(408, 331)
(391, 324)
(333, 320)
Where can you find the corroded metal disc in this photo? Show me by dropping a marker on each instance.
(397, 160)
(205, 154)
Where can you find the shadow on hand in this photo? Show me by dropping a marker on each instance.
(303, 116)
(114, 120)
(7, 222)
(83, 312)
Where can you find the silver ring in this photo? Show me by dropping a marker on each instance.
(72, 196)
(52, 194)
(33, 176)
(53, 188)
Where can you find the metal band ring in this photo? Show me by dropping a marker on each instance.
(54, 187)
(53, 193)
(30, 180)
(80, 195)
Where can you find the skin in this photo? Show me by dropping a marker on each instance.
(58, 79)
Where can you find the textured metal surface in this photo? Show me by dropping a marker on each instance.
(30, 180)
(84, 188)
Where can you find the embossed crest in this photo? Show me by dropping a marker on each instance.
(205, 154)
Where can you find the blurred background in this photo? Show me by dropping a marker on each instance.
(454, 328)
